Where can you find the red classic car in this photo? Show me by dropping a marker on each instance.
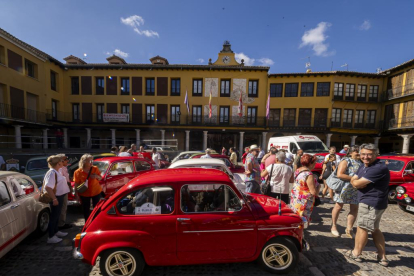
(188, 216)
(148, 155)
(115, 172)
(233, 168)
(317, 171)
(401, 171)
(405, 197)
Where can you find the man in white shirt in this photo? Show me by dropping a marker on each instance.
(156, 157)
(332, 150)
(345, 149)
(64, 171)
(207, 155)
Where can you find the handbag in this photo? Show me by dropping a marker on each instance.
(266, 188)
(44, 195)
(83, 187)
(334, 182)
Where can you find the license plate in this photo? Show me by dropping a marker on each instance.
(410, 208)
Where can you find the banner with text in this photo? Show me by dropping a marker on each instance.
(115, 117)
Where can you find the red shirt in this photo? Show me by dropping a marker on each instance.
(244, 157)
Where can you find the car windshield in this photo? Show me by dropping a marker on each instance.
(102, 166)
(393, 165)
(313, 146)
(39, 164)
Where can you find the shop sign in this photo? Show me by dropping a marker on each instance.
(115, 117)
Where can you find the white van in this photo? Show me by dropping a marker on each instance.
(308, 143)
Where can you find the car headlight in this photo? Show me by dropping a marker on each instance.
(408, 200)
(400, 190)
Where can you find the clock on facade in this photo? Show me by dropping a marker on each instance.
(226, 59)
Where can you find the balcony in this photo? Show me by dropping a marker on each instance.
(397, 92)
(21, 114)
(406, 122)
(355, 125)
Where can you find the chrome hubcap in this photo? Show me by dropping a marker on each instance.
(120, 263)
(277, 256)
(391, 195)
(44, 221)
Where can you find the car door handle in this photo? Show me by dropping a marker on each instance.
(184, 220)
(14, 206)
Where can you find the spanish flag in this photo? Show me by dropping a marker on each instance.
(209, 105)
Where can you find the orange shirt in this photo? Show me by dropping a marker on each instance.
(94, 188)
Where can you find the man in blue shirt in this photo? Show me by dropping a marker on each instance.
(372, 182)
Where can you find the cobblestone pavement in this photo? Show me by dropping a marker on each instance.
(35, 257)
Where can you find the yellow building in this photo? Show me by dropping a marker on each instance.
(119, 103)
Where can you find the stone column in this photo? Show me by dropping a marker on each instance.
(65, 138)
(376, 140)
(328, 139)
(264, 146)
(45, 142)
(88, 138)
(234, 140)
(241, 149)
(205, 140)
(406, 143)
(187, 140)
(353, 139)
(162, 137)
(113, 140)
(137, 137)
(18, 136)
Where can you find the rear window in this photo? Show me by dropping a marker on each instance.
(40, 164)
(393, 165)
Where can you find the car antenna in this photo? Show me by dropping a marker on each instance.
(280, 201)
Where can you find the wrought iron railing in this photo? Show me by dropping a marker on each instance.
(397, 92)
(404, 122)
(22, 114)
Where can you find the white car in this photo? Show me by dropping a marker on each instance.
(212, 163)
(21, 213)
(184, 155)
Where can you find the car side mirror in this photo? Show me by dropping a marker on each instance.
(408, 172)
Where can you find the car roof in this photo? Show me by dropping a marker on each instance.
(397, 157)
(122, 158)
(212, 155)
(9, 173)
(181, 175)
(190, 152)
(198, 161)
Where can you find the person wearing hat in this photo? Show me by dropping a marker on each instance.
(345, 149)
(252, 170)
(207, 155)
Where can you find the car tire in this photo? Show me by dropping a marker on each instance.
(285, 263)
(112, 262)
(392, 195)
(43, 222)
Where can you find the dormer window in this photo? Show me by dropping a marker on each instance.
(159, 60)
(116, 60)
(74, 60)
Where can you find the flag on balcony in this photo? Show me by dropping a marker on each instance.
(268, 107)
(209, 106)
(240, 108)
(186, 102)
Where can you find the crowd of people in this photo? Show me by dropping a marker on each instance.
(363, 185)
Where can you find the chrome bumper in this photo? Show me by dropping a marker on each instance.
(74, 203)
(76, 254)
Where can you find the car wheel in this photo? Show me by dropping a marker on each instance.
(43, 222)
(392, 195)
(279, 255)
(121, 261)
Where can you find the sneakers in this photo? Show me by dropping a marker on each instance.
(61, 234)
(54, 239)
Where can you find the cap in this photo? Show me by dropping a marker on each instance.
(346, 146)
(253, 147)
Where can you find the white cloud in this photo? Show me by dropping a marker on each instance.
(266, 61)
(317, 39)
(121, 54)
(200, 60)
(136, 21)
(365, 26)
(247, 61)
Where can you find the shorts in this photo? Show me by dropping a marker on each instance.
(368, 217)
(252, 187)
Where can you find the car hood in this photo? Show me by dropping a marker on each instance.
(265, 206)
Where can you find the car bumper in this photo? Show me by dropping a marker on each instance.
(74, 203)
(76, 254)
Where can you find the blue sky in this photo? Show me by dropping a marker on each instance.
(365, 35)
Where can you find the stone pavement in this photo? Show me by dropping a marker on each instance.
(35, 257)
